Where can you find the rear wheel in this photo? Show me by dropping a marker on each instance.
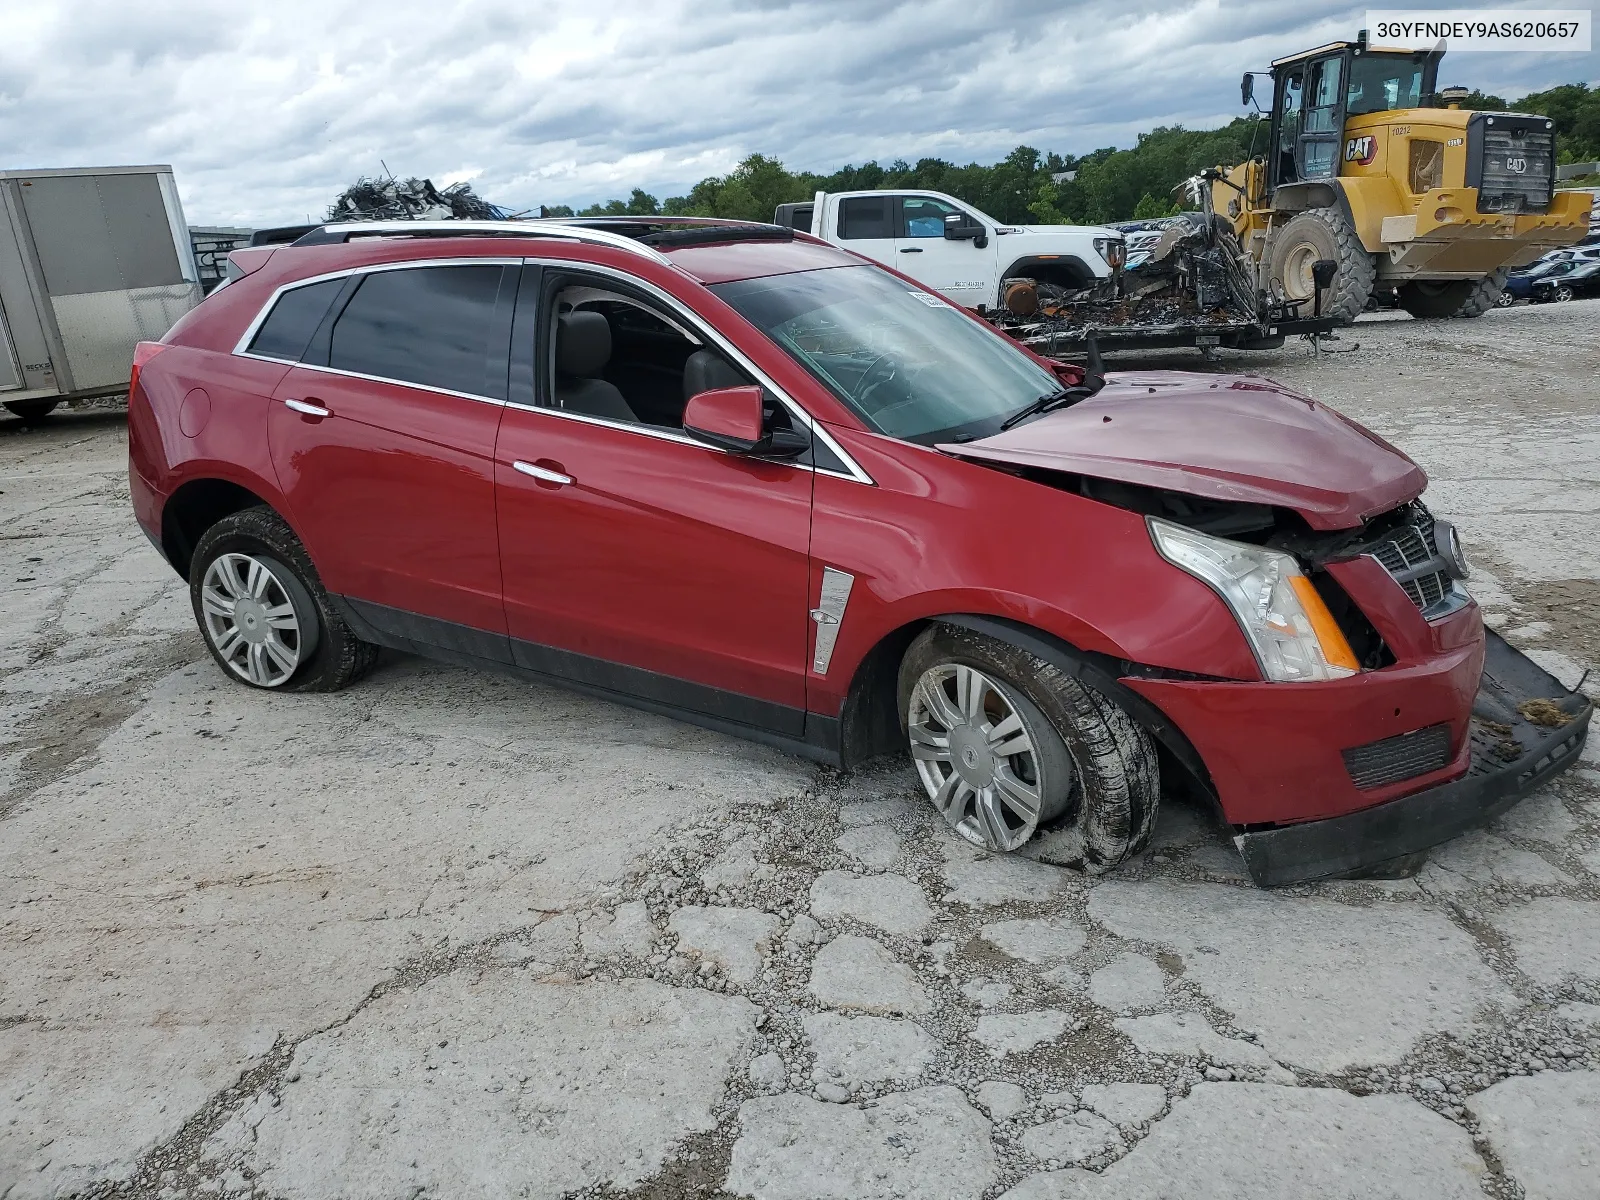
(1007, 744)
(1485, 294)
(1323, 233)
(1432, 298)
(32, 410)
(263, 611)
(1504, 300)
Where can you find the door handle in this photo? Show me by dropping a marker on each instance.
(910, 249)
(543, 474)
(309, 408)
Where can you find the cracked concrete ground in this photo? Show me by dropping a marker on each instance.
(446, 934)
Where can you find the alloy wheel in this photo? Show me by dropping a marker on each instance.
(250, 619)
(977, 756)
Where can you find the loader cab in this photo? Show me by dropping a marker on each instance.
(1316, 91)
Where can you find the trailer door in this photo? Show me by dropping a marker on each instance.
(10, 369)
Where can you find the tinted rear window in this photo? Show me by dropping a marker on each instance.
(433, 326)
(865, 217)
(293, 319)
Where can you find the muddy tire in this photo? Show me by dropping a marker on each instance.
(1323, 233)
(264, 613)
(1007, 745)
(1430, 299)
(32, 410)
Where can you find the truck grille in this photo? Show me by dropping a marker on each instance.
(1410, 555)
(1397, 758)
(1515, 167)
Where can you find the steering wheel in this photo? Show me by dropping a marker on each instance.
(869, 382)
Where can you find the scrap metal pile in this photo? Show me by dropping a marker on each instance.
(1185, 276)
(411, 200)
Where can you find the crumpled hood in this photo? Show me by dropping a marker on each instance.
(1223, 437)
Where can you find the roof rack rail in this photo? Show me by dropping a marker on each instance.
(344, 231)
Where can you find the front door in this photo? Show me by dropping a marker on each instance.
(635, 559)
(959, 269)
(383, 443)
(1322, 125)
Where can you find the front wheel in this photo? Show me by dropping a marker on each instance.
(263, 612)
(1561, 294)
(1006, 744)
(1322, 233)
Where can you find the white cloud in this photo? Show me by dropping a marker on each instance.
(267, 112)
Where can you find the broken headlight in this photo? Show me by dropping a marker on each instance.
(1294, 636)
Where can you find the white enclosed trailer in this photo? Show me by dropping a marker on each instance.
(92, 260)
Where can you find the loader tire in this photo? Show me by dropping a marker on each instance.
(1432, 298)
(1323, 233)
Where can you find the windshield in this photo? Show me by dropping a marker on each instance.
(908, 363)
(1379, 82)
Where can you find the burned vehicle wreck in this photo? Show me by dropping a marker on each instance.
(1186, 282)
(735, 475)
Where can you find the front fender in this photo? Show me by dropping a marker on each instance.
(939, 535)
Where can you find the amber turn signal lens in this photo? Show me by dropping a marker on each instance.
(1334, 646)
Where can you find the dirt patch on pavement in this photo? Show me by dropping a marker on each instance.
(1572, 609)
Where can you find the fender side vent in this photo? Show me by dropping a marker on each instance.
(1397, 758)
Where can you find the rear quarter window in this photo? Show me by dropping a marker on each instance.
(294, 318)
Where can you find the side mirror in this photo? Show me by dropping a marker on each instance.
(732, 419)
(958, 227)
(1247, 88)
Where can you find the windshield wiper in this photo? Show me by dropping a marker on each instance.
(1094, 378)
(1042, 404)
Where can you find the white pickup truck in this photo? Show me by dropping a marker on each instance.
(951, 246)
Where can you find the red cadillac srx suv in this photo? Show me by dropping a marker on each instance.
(728, 472)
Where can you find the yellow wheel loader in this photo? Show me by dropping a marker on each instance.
(1369, 166)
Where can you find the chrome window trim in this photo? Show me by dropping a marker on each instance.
(241, 347)
(708, 336)
(421, 387)
(711, 337)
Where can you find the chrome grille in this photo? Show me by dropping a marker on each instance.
(1518, 170)
(1410, 555)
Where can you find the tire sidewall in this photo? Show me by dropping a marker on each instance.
(1038, 681)
(260, 532)
(1302, 230)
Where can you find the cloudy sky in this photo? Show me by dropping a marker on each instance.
(268, 110)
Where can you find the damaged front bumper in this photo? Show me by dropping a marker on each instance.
(1511, 755)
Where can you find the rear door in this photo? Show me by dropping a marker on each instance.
(383, 442)
(959, 269)
(868, 225)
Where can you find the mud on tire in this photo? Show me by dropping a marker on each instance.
(1323, 233)
(334, 656)
(1113, 792)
